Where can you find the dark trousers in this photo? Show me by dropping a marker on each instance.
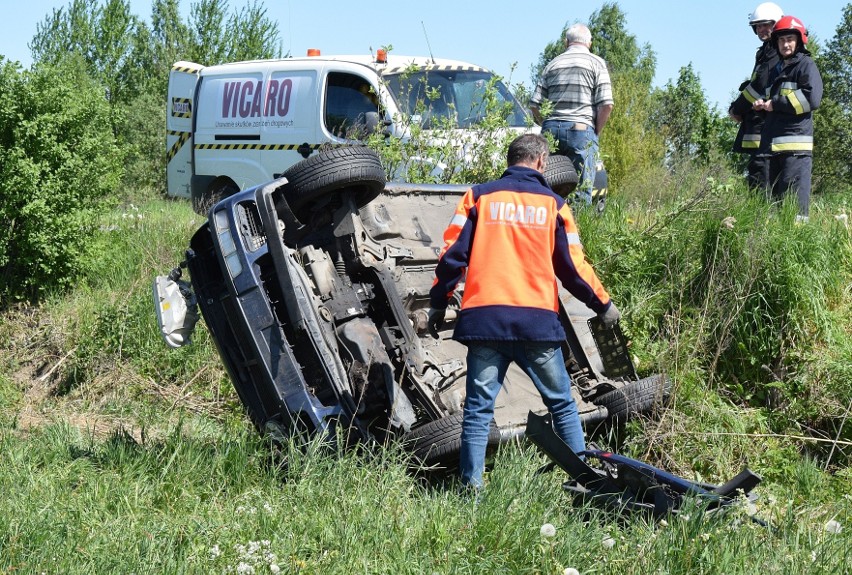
(757, 171)
(790, 173)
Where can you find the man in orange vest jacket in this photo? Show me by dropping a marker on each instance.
(510, 239)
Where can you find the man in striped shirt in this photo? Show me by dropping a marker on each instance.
(577, 84)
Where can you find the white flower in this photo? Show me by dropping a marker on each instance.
(245, 569)
(664, 523)
(215, 552)
(833, 526)
(548, 530)
(729, 222)
(570, 571)
(274, 568)
(608, 542)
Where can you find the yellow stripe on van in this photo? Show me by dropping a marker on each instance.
(265, 147)
(187, 69)
(433, 67)
(182, 138)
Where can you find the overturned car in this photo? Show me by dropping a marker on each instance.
(315, 289)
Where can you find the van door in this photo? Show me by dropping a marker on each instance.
(227, 143)
(182, 80)
(290, 122)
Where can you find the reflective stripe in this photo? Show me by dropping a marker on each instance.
(799, 102)
(751, 94)
(792, 143)
(458, 220)
(573, 239)
(789, 85)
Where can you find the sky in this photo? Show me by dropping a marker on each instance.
(714, 36)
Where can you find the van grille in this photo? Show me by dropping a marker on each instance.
(250, 227)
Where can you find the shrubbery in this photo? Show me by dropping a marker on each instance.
(59, 166)
(720, 286)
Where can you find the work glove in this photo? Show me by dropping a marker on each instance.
(436, 320)
(610, 317)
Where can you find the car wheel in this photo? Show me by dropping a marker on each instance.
(560, 175)
(356, 168)
(636, 397)
(218, 190)
(439, 442)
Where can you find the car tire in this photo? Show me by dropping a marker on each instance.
(635, 397)
(438, 443)
(560, 175)
(357, 168)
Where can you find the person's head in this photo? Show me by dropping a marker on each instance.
(530, 150)
(578, 34)
(790, 36)
(763, 19)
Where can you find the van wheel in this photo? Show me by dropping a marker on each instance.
(355, 168)
(438, 443)
(220, 189)
(560, 175)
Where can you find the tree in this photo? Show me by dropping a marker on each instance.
(612, 42)
(105, 37)
(683, 117)
(168, 43)
(216, 38)
(253, 35)
(833, 119)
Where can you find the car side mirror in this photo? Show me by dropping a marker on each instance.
(376, 124)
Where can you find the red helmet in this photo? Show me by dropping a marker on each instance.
(789, 24)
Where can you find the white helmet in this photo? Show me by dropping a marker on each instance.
(764, 13)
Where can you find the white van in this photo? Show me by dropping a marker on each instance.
(233, 126)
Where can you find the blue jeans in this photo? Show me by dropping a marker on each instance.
(583, 149)
(487, 363)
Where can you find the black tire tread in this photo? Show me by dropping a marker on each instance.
(636, 397)
(560, 175)
(355, 167)
(439, 441)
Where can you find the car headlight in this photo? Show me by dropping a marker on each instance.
(227, 244)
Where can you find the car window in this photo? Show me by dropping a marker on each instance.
(348, 98)
(460, 96)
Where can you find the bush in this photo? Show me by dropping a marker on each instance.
(58, 167)
(141, 129)
(717, 284)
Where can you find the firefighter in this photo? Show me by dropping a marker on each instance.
(510, 239)
(762, 20)
(795, 91)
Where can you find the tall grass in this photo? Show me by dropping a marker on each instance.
(227, 503)
(724, 290)
(122, 455)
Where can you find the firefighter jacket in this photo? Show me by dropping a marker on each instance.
(748, 135)
(509, 240)
(796, 91)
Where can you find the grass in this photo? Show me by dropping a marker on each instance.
(223, 501)
(120, 455)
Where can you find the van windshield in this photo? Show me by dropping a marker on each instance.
(453, 98)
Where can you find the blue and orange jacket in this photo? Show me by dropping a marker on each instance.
(509, 240)
(796, 91)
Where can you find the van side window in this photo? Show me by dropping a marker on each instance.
(348, 98)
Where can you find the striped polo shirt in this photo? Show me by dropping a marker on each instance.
(576, 82)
